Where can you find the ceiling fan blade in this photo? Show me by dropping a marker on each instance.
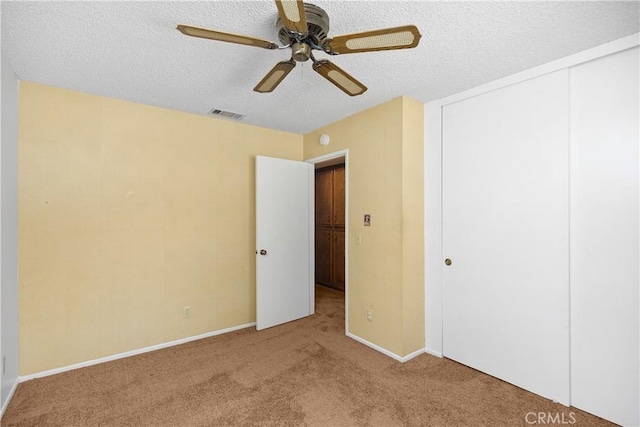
(339, 77)
(225, 37)
(404, 37)
(293, 15)
(275, 76)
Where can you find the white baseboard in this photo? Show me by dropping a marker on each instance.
(412, 355)
(433, 353)
(132, 353)
(385, 351)
(11, 392)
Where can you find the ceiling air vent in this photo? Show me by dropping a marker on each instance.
(226, 114)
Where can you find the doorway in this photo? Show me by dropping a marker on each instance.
(329, 226)
(332, 227)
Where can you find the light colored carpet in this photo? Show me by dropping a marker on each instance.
(302, 373)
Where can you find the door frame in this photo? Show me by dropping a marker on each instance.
(341, 154)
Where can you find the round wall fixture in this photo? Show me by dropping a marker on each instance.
(324, 139)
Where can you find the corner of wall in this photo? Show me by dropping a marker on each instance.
(386, 270)
(412, 225)
(9, 235)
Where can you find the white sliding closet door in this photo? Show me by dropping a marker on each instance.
(605, 253)
(506, 230)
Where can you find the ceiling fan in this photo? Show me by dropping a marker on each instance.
(303, 27)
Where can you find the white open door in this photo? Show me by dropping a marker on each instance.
(284, 241)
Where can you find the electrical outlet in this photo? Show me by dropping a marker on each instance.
(369, 315)
(186, 312)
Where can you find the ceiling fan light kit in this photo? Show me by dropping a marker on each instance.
(303, 27)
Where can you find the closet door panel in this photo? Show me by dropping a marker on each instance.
(338, 260)
(324, 198)
(323, 255)
(505, 229)
(338, 197)
(604, 237)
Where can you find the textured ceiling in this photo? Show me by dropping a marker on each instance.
(132, 51)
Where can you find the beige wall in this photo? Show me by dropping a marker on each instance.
(127, 214)
(413, 225)
(386, 271)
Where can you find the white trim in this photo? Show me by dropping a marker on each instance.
(433, 353)
(329, 156)
(132, 353)
(385, 351)
(559, 64)
(324, 158)
(433, 109)
(312, 239)
(410, 356)
(9, 397)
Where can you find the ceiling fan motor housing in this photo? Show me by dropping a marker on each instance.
(300, 51)
(317, 27)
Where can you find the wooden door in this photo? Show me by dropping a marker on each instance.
(323, 255)
(330, 226)
(338, 272)
(324, 198)
(338, 197)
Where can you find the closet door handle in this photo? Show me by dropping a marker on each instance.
(447, 261)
